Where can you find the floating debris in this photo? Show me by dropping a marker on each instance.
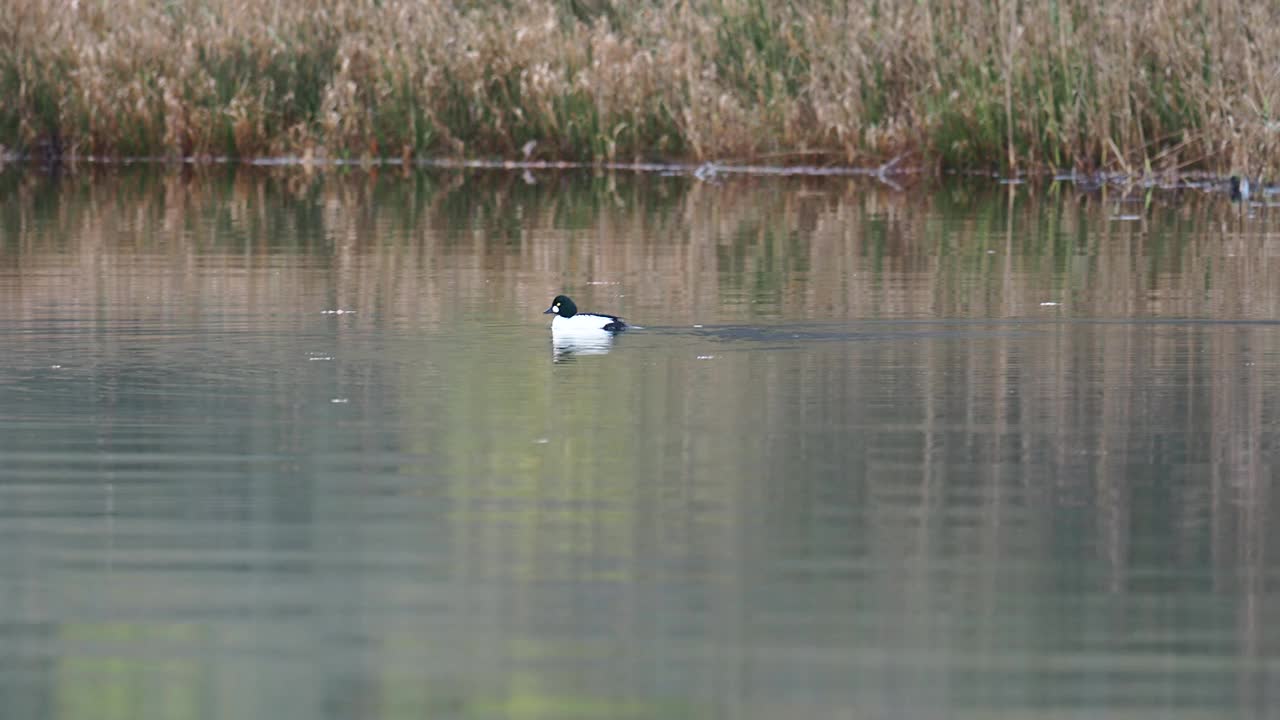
(339, 311)
(707, 172)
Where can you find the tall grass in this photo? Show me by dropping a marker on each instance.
(1152, 87)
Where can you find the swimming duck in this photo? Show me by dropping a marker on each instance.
(1239, 188)
(569, 320)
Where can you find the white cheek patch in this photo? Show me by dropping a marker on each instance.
(556, 308)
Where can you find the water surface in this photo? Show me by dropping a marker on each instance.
(275, 445)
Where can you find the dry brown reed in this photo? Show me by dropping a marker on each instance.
(1144, 88)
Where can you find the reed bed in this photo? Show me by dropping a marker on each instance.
(1141, 88)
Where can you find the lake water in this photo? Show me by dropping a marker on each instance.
(279, 445)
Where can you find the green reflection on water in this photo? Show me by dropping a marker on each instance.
(115, 686)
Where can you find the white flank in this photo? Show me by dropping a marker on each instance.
(580, 323)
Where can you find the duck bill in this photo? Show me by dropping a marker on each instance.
(550, 311)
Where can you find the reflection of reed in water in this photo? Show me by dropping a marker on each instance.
(807, 249)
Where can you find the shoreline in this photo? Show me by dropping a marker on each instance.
(895, 173)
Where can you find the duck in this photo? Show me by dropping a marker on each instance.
(1239, 188)
(569, 320)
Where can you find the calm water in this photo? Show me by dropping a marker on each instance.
(970, 452)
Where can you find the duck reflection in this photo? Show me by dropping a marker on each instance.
(567, 346)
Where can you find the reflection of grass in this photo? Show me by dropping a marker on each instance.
(408, 697)
(119, 687)
(786, 248)
(526, 451)
(959, 83)
(535, 706)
